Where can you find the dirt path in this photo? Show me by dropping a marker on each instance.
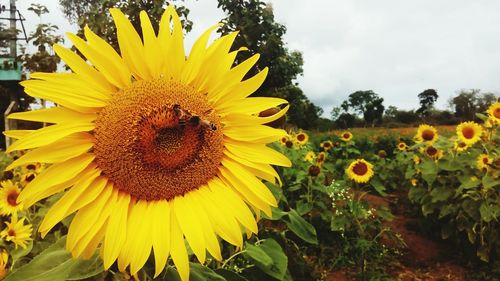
(423, 258)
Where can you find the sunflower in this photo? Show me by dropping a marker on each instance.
(301, 138)
(284, 139)
(360, 171)
(469, 132)
(402, 146)
(346, 136)
(426, 133)
(150, 132)
(494, 113)
(382, 154)
(460, 146)
(314, 170)
(17, 232)
(432, 152)
(326, 145)
(320, 158)
(4, 260)
(8, 198)
(416, 160)
(483, 161)
(309, 157)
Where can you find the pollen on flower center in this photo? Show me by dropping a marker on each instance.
(158, 139)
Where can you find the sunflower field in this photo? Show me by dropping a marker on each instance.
(154, 164)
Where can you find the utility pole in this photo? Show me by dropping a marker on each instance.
(13, 42)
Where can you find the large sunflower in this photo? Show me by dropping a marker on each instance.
(426, 133)
(469, 132)
(156, 146)
(360, 171)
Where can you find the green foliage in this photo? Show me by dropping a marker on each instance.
(469, 102)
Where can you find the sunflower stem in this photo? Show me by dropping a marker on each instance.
(232, 257)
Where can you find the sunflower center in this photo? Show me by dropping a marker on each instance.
(12, 198)
(496, 112)
(360, 168)
(158, 139)
(346, 136)
(11, 232)
(486, 160)
(427, 135)
(468, 132)
(301, 137)
(431, 151)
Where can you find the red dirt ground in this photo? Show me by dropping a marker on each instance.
(423, 259)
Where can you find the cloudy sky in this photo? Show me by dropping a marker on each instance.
(395, 48)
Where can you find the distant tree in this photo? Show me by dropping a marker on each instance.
(95, 14)
(390, 112)
(335, 113)
(260, 33)
(427, 99)
(44, 36)
(345, 120)
(366, 103)
(469, 102)
(406, 116)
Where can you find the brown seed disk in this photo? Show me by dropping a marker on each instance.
(427, 135)
(468, 132)
(147, 144)
(360, 169)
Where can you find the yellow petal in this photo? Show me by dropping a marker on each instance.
(55, 175)
(131, 47)
(58, 151)
(61, 208)
(161, 234)
(254, 134)
(49, 135)
(61, 78)
(264, 171)
(190, 225)
(252, 105)
(172, 42)
(53, 115)
(79, 66)
(257, 153)
(239, 119)
(116, 231)
(139, 235)
(241, 90)
(86, 217)
(18, 134)
(177, 247)
(151, 46)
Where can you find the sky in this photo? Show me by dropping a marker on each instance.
(395, 48)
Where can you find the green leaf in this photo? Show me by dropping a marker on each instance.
(303, 207)
(429, 171)
(199, 272)
(379, 187)
(490, 182)
(230, 275)
(487, 212)
(56, 264)
(21, 252)
(258, 255)
(441, 193)
(301, 227)
(449, 165)
(279, 261)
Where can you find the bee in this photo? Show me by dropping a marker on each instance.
(185, 117)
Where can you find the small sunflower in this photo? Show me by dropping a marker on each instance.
(494, 113)
(413, 182)
(314, 170)
(4, 260)
(326, 145)
(416, 160)
(460, 146)
(432, 152)
(309, 157)
(17, 232)
(284, 139)
(382, 153)
(360, 171)
(152, 147)
(346, 136)
(402, 146)
(8, 198)
(426, 133)
(320, 158)
(301, 138)
(483, 161)
(469, 132)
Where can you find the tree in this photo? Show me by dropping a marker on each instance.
(259, 32)
(390, 112)
(427, 99)
(365, 103)
(43, 38)
(469, 102)
(95, 14)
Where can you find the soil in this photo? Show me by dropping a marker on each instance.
(422, 258)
